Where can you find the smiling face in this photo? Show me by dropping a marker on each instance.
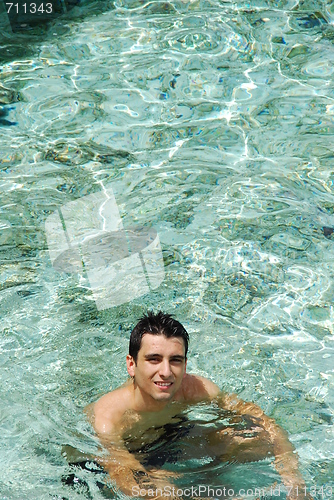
(159, 370)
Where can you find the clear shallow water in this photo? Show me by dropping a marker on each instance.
(212, 121)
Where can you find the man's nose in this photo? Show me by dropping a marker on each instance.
(165, 370)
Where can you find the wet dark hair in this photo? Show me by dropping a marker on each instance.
(156, 324)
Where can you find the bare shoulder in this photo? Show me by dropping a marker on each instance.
(197, 388)
(107, 413)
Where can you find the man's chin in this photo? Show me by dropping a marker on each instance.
(163, 396)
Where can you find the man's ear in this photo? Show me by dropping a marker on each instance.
(130, 364)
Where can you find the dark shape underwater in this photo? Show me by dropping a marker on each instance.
(4, 112)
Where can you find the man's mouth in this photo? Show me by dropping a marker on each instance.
(164, 385)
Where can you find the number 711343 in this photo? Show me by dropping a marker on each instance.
(314, 491)
(29, 8)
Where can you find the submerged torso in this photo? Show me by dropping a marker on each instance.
(181, 433)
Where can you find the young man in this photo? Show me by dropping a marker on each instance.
(128, 418)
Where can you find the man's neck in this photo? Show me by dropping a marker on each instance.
(144, 403)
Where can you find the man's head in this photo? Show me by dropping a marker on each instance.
(157, 359)
(156, 324)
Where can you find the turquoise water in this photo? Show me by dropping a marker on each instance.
(212, 121)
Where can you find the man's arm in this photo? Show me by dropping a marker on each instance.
(252, 444)
(286, 460)
(122, 466)
(129, 474)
